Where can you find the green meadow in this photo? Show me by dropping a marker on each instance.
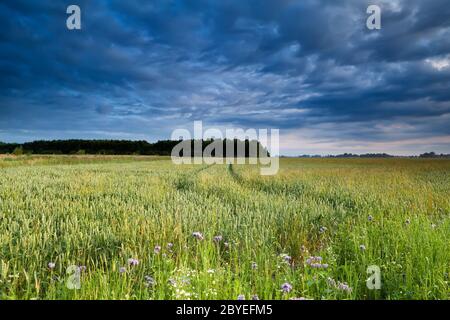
(144, 228)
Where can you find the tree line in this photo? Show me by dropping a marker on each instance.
(120, 147)
(375, 155)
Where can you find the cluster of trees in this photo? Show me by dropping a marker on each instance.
(116, 147)
(162, 147)
(375, 155)
(434, 155)
(366, 155)
(350, 155)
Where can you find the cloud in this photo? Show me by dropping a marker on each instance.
(140, 69)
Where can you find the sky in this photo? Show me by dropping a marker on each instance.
(310, 68)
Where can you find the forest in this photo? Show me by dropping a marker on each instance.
(113, 147)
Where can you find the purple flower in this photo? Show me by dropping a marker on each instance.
(323, 229)
(370, 218)
(197, 235)
(82, 268)
(331, 282)
(241, 297)
(133, 262)
(254, 265)
(217, 238)
(170, 245)
(149, 281)
(286, 258)
(255, 297)
(157, 249)
(286, 287)
(316, 262)
(344, 287)
(122, 270)
(51, 265)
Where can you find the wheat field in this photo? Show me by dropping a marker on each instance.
(143, 228)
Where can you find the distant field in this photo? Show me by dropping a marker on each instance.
(100, 212)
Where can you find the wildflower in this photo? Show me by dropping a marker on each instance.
(172, 282)
(185, 279)
(286, 287)
(170, 245)
(254, 265)
(241, 297)
(323, 229)
(82, 268)
(122, 270)
(217, 239)
(149, 281)
(370, 218)
(157, 249)
(51, 265)
(226, 244)
(211, 271)
(433, 226)
(255, 297)
(344, 287)
(316, 262)
(362, 247)
(133, 262)
(331, 282)
(408, 221)
(286, 258)
(197, 235)
(315, 258)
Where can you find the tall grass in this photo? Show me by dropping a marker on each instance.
(100, 212)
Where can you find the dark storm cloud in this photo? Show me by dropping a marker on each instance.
(139, 69)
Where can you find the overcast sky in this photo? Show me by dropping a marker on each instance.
(140, 69)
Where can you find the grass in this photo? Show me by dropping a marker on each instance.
(99, 212)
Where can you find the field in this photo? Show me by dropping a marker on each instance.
(143, 228)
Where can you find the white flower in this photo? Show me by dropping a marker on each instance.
(197, 235)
